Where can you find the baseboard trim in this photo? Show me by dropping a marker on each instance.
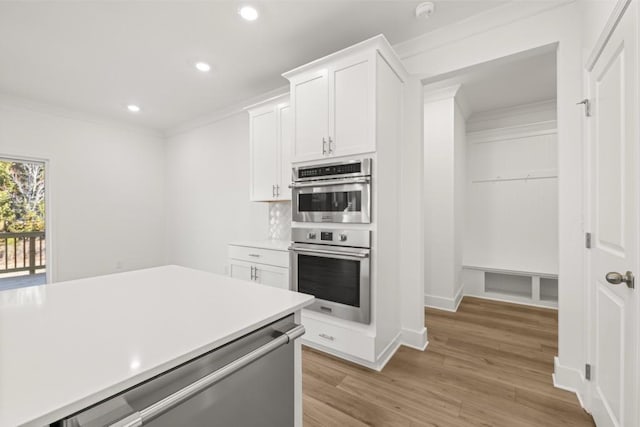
(378, 365)
(415, 339)
(569, 379)
(388, 352)
(442, 303)
(529, 303)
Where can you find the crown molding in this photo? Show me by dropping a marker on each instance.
(509, 13)
(26, 104)
(547, 127)
(224, 113)
(455, 92)
(462, 102)
(533, 107)
(274, 99)
(379, 42)
(438, 94)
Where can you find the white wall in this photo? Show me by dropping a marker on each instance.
(412, 248)
(509, 31)
(444, 159)
(207, 194)
(105, 190)
(513, 224)
(459, 197)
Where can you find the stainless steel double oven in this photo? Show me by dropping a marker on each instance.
(332, 262)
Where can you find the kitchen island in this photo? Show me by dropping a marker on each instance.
(67, 346)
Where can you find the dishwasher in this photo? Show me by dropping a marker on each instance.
(248, 382)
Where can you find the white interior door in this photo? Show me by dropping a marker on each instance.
(613, 200)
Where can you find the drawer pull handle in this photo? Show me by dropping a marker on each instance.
(327, 337)
(255, 255)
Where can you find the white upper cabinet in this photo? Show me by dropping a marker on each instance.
(286, 139)
(310, 94)
(264, 154)
(334, 101)
(353, 106)
(270, 150)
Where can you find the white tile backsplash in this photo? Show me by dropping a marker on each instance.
(280, 221)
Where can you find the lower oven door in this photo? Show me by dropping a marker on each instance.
(338, 277)
(339, 201)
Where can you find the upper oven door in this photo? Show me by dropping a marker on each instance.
(337, 201)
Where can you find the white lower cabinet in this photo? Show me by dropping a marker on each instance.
(341, 339)
(240, 270)
(266, 266)
(277, 277)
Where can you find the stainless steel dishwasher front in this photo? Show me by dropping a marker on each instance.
(248, 382)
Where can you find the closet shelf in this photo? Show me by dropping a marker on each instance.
(515, 271)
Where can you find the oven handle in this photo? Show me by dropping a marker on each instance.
(326, 252)
(324, 183)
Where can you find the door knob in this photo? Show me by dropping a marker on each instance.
(616, 278)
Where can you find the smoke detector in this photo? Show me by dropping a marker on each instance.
(425, 10)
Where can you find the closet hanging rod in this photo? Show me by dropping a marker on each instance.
(514, 178)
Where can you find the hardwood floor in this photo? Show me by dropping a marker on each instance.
(489, 364)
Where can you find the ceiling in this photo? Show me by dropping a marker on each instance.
(97, 57)
(519, 79)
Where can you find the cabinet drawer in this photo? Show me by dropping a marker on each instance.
(343, 340)
(259, 255)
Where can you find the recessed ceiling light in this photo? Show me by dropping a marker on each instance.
(249, 13)
(133, 108)
(203, 66)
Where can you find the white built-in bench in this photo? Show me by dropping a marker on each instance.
(504, 284)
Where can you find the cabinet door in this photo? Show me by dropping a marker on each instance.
(310, 99)
(277, 277)
(285, 127)
(352, 106)
(264, 154)
(240, 270)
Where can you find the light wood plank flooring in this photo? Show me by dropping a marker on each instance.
(489, 364)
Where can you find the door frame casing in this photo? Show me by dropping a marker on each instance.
(48, 211)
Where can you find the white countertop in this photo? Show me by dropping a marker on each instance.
(68, 345)
(275, 245)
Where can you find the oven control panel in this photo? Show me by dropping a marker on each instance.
(350, 168)
(354, 238)
(323, 171)
(327, 236)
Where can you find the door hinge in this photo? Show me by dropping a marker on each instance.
(587, 106)
(587, 372)
(587, 240)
